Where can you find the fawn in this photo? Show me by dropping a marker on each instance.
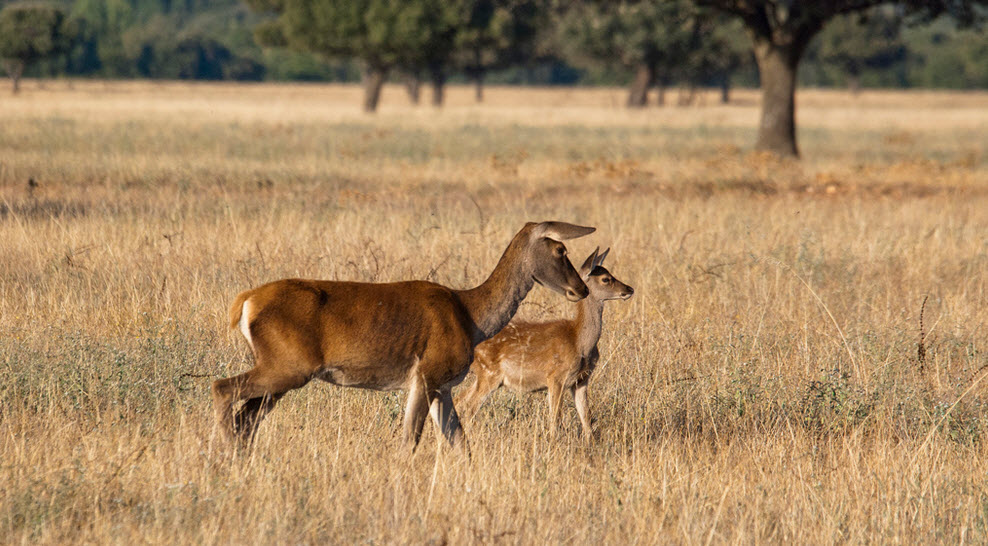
(555, 355)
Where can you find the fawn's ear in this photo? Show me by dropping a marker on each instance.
(600, 259)
(561, 231)
(589, 264)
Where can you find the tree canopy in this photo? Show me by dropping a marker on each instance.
(494, 34)
(852, 43)
(30, 32)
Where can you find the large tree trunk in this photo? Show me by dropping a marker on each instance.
(638, 93)
(374, 78)
(777, 70)
(438, 85)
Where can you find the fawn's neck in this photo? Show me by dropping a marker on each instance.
(589, 323)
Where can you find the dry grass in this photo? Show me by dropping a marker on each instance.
(763, 385)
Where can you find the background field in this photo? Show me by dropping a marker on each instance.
(763, 384)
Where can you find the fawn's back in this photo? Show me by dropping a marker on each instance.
(527, 354)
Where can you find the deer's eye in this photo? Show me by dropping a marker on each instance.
(605, 280)
(560, 251)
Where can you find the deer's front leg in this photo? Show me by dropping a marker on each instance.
(447, 421)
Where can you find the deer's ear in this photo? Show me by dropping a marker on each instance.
(589, 264)
(561, 231)
(600, 259)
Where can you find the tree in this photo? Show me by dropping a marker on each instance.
(718, 50)
(103, 26)
(495, 34)
(854, 43)
(380, 33)
(781, 30)
(652, 39)
(940, 55)
(30, 32)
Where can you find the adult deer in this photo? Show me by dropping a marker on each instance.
(556, 355)
(416, 336)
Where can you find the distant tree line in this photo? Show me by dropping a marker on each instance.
(597, 43)
(647, 45)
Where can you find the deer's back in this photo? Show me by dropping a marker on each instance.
(361, 334)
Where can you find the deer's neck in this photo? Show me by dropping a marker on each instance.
(589, 323)
(492, 304)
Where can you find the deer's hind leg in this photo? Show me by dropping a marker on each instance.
(225, 393)
(250, 415)
(261, 388)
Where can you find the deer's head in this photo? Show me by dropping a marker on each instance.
(546, 257)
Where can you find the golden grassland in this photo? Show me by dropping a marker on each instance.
(764, 384)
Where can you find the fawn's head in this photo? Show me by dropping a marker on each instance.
(602, 284)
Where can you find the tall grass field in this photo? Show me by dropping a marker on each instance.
(803, 361)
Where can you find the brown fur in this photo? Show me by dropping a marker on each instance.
(414, 335)
(557, 355)
(236, 308)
